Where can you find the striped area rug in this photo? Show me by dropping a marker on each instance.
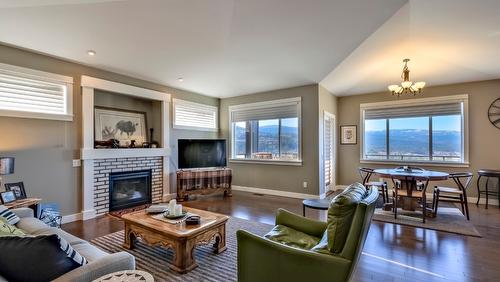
(211, 267)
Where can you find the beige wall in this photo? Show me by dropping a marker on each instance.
(44, 149)
(280, 177)
(484, 138)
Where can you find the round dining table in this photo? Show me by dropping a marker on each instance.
(410, 179)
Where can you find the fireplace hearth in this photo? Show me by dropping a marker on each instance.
(129, 189)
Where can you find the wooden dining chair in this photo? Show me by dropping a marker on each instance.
(409, 191)
(420, 184)
(454, 194)
(365, 174)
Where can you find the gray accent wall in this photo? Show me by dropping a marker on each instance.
(280, 177)
(484, 138)
(44, 149)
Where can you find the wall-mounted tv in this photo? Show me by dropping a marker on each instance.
(199, 153)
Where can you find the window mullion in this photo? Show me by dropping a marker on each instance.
(387, 139)
(431, 153)
(279, 138)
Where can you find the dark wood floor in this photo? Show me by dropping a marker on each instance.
(391, 253)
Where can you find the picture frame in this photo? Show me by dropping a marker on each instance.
(7, 197)
(119, 124)
(17, 188)
(348, 134)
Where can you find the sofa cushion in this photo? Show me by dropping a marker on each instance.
(72, 240)
(340, 213)
(291, 237)
(7, 229)
(31, 225)
(33, 258)
(90, 252)
(11, 217)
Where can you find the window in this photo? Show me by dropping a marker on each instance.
(429, 130)
(194, 116)
(29, 93)
(267, 131)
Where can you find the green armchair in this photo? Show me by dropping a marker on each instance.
(302, 249)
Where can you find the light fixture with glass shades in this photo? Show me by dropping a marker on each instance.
(407, 86)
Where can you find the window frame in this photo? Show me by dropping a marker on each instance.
(42, 76)
(463, 98)
(266, 104)
(176, 101)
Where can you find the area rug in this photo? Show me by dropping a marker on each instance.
(448, 219)
(211, 267)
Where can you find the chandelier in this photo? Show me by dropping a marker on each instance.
(407, 86)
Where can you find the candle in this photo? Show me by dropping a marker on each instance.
(178, 210)
(171, 206)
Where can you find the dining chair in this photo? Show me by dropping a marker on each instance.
(365, 173)
(452, 194)
(409, 191)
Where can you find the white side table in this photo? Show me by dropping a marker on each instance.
(127, 276)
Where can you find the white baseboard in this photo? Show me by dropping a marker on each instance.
(71, 217)
(274, 192)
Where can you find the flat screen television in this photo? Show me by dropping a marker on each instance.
(199, 153)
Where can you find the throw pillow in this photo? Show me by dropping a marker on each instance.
(7, 229)
(74, 255)
(340, 214)
(33, 259)
(11, 217)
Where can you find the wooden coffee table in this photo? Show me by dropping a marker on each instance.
(180, 237)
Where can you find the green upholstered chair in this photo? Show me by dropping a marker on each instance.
(302, 249)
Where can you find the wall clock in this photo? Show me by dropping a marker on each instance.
(494, 113)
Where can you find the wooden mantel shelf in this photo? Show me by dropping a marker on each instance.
(94, 154)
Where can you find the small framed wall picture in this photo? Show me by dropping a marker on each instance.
(17, 188)
(7, 197)
(348, 135)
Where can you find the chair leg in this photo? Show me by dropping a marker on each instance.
(466, 206)
(303, 210)
(424, 207)
(478, 191)
(437, 203)
(462, 204)
(395, 203)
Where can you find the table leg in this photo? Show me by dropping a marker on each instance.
(220, 240)
(303, 210)
(183, 256)
(128, 242)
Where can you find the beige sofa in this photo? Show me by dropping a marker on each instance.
(100, 262)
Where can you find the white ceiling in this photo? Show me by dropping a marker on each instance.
(225, 48)
(448, 41)
(221, 48)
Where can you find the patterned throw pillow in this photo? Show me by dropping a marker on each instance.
(74, 255)
(11, 217)
(7, 229)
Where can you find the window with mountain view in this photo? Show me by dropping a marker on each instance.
(266, 132)
(424, 132)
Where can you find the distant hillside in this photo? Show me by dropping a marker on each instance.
(414, 141)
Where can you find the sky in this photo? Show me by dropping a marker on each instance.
(451, 123)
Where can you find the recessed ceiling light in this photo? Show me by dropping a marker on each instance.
(91, 52)
(180, 79)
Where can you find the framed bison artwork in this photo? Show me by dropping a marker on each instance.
(122, 125)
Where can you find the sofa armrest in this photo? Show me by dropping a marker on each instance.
(260, 259)
(98, 268)
(303, 224)
(23, 212)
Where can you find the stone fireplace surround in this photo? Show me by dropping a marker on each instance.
(98, 163)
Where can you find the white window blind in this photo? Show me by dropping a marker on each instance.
(454, 108)
(196, 116)
(34, 94)
(328, 149)
(286, 108)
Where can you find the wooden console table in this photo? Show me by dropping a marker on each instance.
(203, 181)
(25, 203)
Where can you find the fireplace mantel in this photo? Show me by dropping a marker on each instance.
(95, 154)
(90, 155)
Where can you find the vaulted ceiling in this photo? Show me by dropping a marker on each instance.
(225, 48)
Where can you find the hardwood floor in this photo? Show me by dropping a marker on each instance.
(391, 253)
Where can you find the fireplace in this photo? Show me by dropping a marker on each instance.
(129, 189)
